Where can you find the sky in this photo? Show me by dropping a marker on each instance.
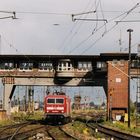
(46, 26)
(91, 94)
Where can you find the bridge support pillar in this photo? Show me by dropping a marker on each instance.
(6, 97)
(117, 98)
(8, 84)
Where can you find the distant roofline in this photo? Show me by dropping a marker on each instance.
(38, 55)
(102, 56)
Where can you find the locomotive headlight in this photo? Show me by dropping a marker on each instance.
(62, 111)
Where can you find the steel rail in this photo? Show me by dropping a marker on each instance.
(119, 134)
(23, 135)
(2, 128)
(27, 134)
(114, 133)
(69, 135)
(50, 135)
(10, 136)
(62, 131)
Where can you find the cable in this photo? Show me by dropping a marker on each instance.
(88, 37)
(132, 46)
(70, 33)
(43, 13)
(96, 24)
(76, 47)
(64, 14)
(103, 15)
(12, 46)
(92, 45)
(95, 30)
(17, 50)
(127, 13)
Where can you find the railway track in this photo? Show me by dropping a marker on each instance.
(28, 134)
(57, 133)
(29, 130)
(110, 133)
(3, 128)
(20, 131)
(113, 133)
(10, 129)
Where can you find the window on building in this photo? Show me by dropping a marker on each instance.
(26, 66)
(6, 65)
(45, 66)
(101, 65)
(80, 66)
(121, 62)
(85, 66)
(114, 62)
(135, 63)
(64, 66)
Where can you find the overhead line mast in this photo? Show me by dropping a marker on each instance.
(74, 19)
(90, 19)
(13, 15)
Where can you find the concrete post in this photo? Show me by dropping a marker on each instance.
(6, 97)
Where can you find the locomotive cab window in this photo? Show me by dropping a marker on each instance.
(59, 101)
(51, 101)
(55, 101)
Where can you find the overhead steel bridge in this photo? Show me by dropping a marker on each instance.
(109, 70)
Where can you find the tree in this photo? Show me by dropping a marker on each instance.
(103, 104)
(91, 104)
(132, 106)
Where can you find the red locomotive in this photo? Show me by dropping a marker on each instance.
(57, 107)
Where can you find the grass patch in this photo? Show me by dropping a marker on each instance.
(6, 122)
(36, 116)
(81, 131)
(22, 116)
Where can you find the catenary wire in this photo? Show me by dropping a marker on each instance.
(103, 15)
(95, 29)
(127, 13)
(96, 14)
(43, 13)
(69, 37)
(91, 35)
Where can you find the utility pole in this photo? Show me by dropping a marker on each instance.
(138, 89)
(0, 44)
(30, 99)
(13, 16)
(129, 66)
